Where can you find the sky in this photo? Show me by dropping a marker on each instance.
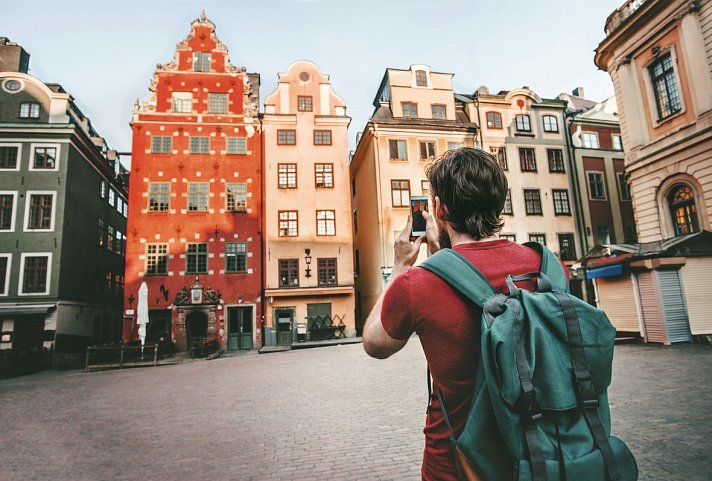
(104, 52)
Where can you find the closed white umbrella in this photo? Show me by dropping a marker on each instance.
(142, 318)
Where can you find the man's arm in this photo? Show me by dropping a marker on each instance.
(376, 341)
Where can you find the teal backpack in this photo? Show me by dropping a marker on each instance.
(540, 407)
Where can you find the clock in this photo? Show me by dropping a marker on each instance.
(12, 86)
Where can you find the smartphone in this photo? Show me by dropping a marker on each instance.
(418, 203)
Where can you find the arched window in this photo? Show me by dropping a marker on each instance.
(683, 209)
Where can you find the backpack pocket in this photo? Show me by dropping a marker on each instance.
(589, 467)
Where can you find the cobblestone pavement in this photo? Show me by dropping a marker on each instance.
(318, 414)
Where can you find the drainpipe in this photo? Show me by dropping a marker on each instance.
(261, 230)
(479, 119)
(575, 185)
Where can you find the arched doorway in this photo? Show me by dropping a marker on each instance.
(196, 326)
(683, 209)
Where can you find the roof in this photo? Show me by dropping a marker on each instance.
(576, 103)
(606, 111)
(383, 115)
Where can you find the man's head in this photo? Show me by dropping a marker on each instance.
(472, 188)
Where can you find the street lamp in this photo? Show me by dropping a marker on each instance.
(307, 259)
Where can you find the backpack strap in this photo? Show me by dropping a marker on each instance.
(457, 271)
(551, 267)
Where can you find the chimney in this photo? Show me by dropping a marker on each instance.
(13, 58)
(578, 92)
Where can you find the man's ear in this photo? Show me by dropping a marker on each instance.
(441, 212)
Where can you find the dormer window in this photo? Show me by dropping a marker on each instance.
(201, 61)
(421, 79)
(410, 109)
(304, 103)
(522, 123)
(29, 110)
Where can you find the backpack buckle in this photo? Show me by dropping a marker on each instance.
(587, 393)
(532, 407)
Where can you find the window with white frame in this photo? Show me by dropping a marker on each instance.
(110, 238)
(39, 211)
(665, 87)
(509, 237)
(159, 194)
(326, 222)
(410, 109)
(400, 192)
(101, 232)
(427, 150)
(201, 61)
(199, 145)
(182, 102)
(236, 145)
(324, 175)
(161, 144)
(198, 193)
(617, 142)
(500, 153)
(157, 259)
(590, 140)
(236, 197)
(287, 176)
(522, 123)
(397, 150)
(288, 223)
(217, 103)
(286, 137)
(235, 257)
(29, 110)
(44, 158)
(35, 273)
(112, 197)
(551, 124)
(9, 157)
(8, 207)
(540, 238)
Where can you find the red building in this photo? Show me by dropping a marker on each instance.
(193, 232)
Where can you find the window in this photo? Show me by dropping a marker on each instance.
(397, 150)
(425, 186)
(438, 111)
(551, 124)
(596, 186)
(617, 142)
(101, 233)
(182, 102)
(109, 238)
(494, 120)
(7, 211)
(322, 137)
(201, 61)
(119, 243)
(8, 156)
(29, 110)
(357, 262)
(325, 222)
(161, 144)
(289, 273)
(112, 197)
(159, 196)
(665, 89)
(35, 274)
(156, 259)
(288, 223)
(324, 175)
(500, 153)
(623, 187)
(235, 257)
(522, 123)
(199, 145)
(540, 238)
(353, 187)
(590, 140)
(286, 137)
(236, 197)
(287, 176)
(355, 221)
(4, 274)
(119, 204)
(45, 158)
(427, 150)
(304, 103)
(196, 258)
(410, 109)
(561, 201)
(40, 211)
(102, 189)
(509, 237)
(631, 235)
(421, 78)
(556, 160)
(681, 201)
(507, 209)
(567, 248)
(198, 196)
(603, 234)
(326, 271)
(454, 145)
(532, 201)
(217, 103)
(236, 145)
(527, 161)
(400, 193)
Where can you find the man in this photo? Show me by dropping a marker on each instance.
(468, 190)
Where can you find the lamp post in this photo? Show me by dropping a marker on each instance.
(307, 260)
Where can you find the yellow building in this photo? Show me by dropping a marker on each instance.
(309, 272)
(417, 117)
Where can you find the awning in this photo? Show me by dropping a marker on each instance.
(23, 309)
(608, 271)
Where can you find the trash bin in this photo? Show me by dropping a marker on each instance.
(301, 332)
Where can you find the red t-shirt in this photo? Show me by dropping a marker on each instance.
(448, 325)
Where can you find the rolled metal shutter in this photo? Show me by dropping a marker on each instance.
(653, 328)
(617, 299)
(696, 278)
(673, 303)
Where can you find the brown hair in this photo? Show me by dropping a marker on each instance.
(473, 187)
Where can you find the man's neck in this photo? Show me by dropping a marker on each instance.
(457, 238)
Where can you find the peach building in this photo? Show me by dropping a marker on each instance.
(309, 270)
(417, 117)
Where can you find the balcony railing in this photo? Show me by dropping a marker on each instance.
(621, 14)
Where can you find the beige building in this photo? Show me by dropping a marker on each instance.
(417, 117)
(309, 272)
(659, 56)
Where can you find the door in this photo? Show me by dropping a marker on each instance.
(239, 328)
(285, 318)
(196, 327)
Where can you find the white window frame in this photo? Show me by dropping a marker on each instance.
(583, 140)
(183, 101)
(48, 280)
(19, 156)
(8, 256)
(31, 165)
(650, 88)
(28, 197)
(233, 145)
(13, 216)
(620, 142)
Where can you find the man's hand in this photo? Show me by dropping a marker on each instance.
(406, 252)
(432, 233)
